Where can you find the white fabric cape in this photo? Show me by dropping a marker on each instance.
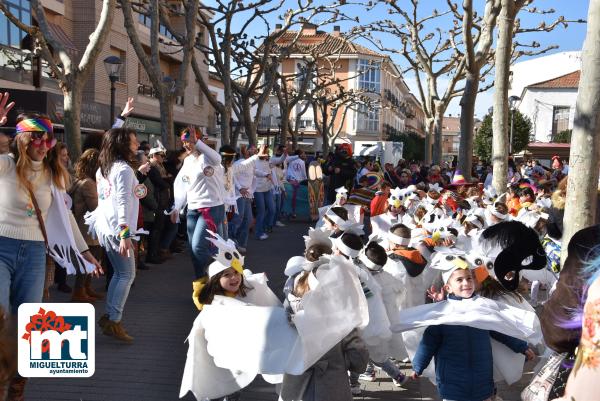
(61, 243)
(477, 312)
(331, 310)
(484, 314)
(201, 376)
(508, 365)
(378, 330)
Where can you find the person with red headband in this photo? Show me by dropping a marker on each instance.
(200, 185)
(33, 192)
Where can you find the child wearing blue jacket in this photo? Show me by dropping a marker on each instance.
(462, 354)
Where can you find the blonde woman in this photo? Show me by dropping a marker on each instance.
(33, 191)
(22, 238)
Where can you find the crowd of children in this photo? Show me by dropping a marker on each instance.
(440, 276)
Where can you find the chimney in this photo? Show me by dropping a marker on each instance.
(278, 27)
(336, 30)
(309, 29)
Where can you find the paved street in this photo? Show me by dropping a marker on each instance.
(159, 314)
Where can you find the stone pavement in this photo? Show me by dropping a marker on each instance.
(159, 314)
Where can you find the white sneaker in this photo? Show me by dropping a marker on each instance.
(369, 374)
(279, 224)
(355, 389)
(263, 237)
(400, 380)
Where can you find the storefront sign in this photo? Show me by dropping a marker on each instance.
(143, 126)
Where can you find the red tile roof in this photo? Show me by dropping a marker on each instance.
(324, 43)
(570, 80)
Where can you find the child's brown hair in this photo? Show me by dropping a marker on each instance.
(315, 251)
(213, 287)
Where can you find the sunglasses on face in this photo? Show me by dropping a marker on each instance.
(39, 138)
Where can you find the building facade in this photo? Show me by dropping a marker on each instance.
(71, 22)
(550, 105)
(415, 121)
(450, 136)
(357, 70)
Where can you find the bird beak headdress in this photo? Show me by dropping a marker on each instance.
(448, 260)
(226, 257)
(396, 197)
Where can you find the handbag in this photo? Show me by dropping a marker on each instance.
(540, 387)
(49, 277)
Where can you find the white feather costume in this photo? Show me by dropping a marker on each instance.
(201, 376)
(62, 244)
(333, 307)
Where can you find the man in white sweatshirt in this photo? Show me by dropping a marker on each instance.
(244, 189)
(296, 173)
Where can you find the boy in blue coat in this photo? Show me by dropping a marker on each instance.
(463, 355)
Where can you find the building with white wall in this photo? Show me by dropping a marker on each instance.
(550, 105)
(543, 68)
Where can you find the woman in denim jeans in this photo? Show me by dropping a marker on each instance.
(22, 249)
(200, 184)
(115, 221)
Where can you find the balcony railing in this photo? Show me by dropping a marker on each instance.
(269, 122)
(20, 61)
(148, 90)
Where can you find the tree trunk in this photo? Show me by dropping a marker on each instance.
(226, 126)
(582, 189)
(467, 115)
(501, 85)
(428, 135)
(284, 123)
(72, 117)
(166, 121)
(249, 125)
(437, 133)
(324, 131)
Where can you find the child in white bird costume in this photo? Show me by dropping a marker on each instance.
(226, 278)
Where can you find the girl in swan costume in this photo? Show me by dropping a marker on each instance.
(333, 307)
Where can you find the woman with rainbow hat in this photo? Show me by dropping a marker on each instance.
(33, 201)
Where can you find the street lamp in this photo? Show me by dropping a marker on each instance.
(113, 66)
(512, 101)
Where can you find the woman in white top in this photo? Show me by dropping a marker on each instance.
(115, 221)
(200, 184)
(33, 190)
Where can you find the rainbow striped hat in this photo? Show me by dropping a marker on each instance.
(34, 125)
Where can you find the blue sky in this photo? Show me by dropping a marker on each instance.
(567, 39)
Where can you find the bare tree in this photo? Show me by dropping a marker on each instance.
(167, 90)
(330, 109)
(315, 77)
(582, 189)
(430, 55)
(240, 59)
(507, 51)
(477, 50)
(70, 74)
(289, 95)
